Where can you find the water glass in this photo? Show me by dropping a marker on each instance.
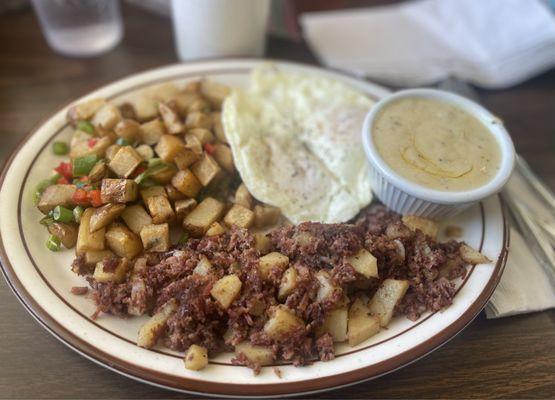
(80, 28)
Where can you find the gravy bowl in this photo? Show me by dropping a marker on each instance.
(409, 197)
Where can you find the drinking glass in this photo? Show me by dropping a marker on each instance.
(220, 28)
(80, 28)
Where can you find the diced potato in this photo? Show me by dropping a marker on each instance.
(198, 119)
(98, 172)
(145, 151)
(185, 158)
(196, 357)
(125, 161)
(128, 129)
(145, 108)
(184, 207)
(327, 286)
(156, 238)
(160, 209)
(243, 196)
(471, 256)
(163, 175)
(201, 105)
(192, 87)
(288, 283)
(171, 119)
(217, 126)
(205, 214)
(136, 218)
(226, 290)
(103, 132)
(111, 270)
(67, 232)
(364, 263)
(192, 143)
(255, 354)
(270, 261)
(104, 215)
(87, 241)
(222, 154)
(153, 191)
(262, 243)
(187, 183)
(361, 325)
(184, 100)
(282, 322)
(173, 194)
(215, 229)
(107, 116)
(427, 226)
(239, 216)
(204, 267)
(388, 295)
(154, 327)
(111, 151)
(96, 146)
(203, 135)
(152, 131)
(168, 147)
(265, 215)
(206, 169)
(335, 324)
(118, 190)
(215, 92)
(56, 195)
(122, 241)
(85, 110)
(93, 257)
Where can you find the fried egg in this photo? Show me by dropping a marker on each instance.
(296, 143)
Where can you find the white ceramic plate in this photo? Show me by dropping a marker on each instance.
(42, 280)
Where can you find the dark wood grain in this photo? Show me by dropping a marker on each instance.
(508, 358)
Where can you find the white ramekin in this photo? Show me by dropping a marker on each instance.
(407, 197)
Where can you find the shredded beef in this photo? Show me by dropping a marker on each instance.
(311, 247)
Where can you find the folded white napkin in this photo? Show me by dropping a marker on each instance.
(524, 287)
(493, 43)
(526, 284)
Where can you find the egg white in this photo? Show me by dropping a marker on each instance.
(296, 143)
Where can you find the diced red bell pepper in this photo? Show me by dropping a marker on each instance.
(80, 197)
(209, 148)
(139, 170)
(91, 142)
(65, 170)
(94, 197)
(62, 181)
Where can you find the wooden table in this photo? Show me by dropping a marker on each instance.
(510, 357)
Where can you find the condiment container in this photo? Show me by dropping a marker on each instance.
(407, 197)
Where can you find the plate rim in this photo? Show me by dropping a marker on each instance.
(186, 385)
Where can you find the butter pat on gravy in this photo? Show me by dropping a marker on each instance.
(436, 144)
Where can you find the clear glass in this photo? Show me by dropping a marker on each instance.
(80, 28)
